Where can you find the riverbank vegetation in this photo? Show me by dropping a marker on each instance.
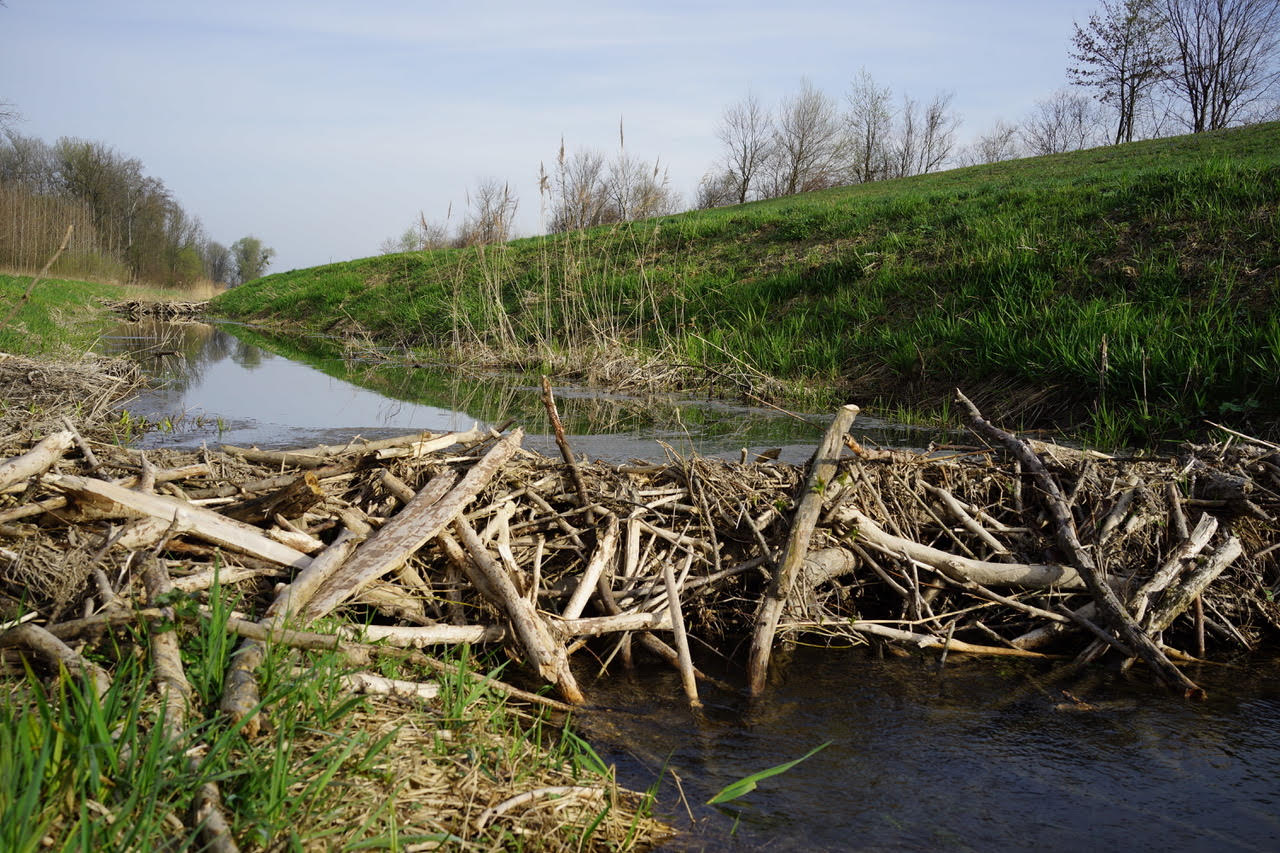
(1126, 292)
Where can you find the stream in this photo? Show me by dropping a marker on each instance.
(977, 755)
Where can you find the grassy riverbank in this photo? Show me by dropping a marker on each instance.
(1006, 279)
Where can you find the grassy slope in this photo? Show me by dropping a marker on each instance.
(1006, 276)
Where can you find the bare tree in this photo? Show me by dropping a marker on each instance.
(580, 195)
(717, 188)
(997, 144)
(491, 213)
(925, 139)
(746, 132)
(870, 121)
(1121, 54)
(1225, 57)
(1065, 121)
(638, 190)
(809, 143)
(938, 133)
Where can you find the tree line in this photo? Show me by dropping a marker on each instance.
(125, 223)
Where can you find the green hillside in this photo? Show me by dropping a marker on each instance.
(1005, 279)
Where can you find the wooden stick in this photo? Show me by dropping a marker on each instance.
(929, 641)
(602, 557)
(1191, 545)
(1029, 575)
(85, 450)
(562, 442)
(687, 679)
(1179, 598)
(1109, 605)
(240, 697)
(314, 457)
(54, 650)
(206, 524)
(806, 517)
(967, 521)
(542, 649)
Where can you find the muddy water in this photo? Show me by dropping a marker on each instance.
(981, 755)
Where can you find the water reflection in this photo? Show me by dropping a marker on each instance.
(229, 384)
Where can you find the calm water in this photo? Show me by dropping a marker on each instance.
(219, 388)
(978, 756)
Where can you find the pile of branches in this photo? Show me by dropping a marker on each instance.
(139, 309)
(1007, 548)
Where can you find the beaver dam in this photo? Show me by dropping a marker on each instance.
(402, 548)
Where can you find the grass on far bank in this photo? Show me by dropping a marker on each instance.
(1127, 290)
(62, 317)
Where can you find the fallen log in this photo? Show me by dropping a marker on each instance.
(1027, 575)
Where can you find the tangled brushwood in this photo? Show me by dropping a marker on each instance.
(384, 549)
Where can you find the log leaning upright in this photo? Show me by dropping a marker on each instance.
(806, 517)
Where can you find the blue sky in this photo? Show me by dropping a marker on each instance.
(324, 127)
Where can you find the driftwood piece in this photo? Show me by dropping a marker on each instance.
(543, 650)
(806, 517)
(175, 691)
(1028, 575)
(37, 460)
(291, 500)
(411, 528)
(1109, 605)
(418, 444)
(1192, 544)
(602, 557)
(687, 679)
(117, 501)
(1179, 598)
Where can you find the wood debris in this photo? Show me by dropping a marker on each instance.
(437, 540)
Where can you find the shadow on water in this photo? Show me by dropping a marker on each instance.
(234, 385)
(979, 756)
